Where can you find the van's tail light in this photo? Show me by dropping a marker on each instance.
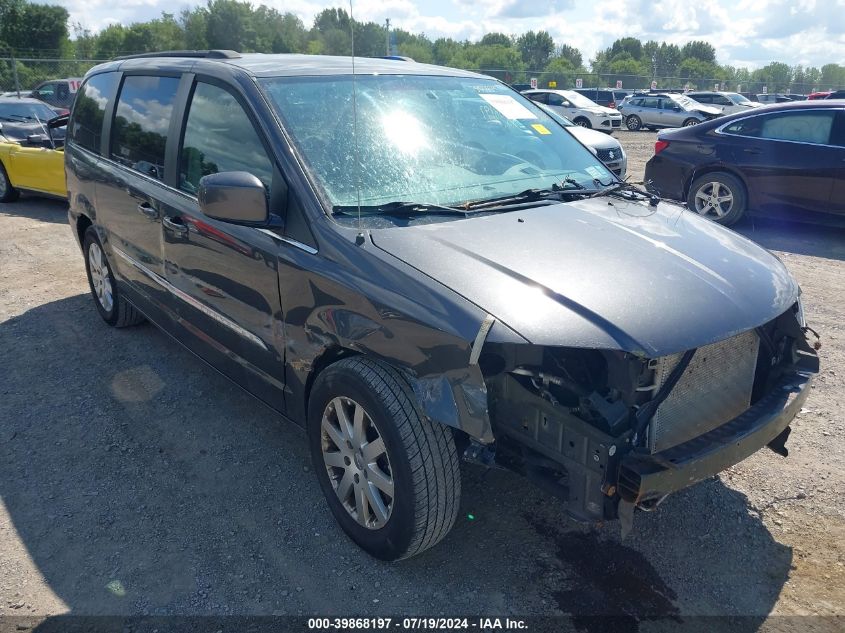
(659, 146)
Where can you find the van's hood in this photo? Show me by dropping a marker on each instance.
(602, 273)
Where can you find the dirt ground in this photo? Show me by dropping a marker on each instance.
(135, 480)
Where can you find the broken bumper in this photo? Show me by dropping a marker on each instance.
(647, 477)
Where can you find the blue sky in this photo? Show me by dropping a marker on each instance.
(747, 33)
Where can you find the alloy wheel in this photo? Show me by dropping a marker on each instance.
(100, 278)
(357, 462)
(714, 199)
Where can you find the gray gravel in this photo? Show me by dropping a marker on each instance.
(136, 480)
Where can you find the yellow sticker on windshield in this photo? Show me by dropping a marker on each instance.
(542, 129)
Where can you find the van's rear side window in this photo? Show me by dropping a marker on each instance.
(141, 121)
(86, 128)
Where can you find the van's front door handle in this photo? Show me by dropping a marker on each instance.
(174, 224)
(751, 150)
(148, 211)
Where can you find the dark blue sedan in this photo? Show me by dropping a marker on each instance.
(785, 160)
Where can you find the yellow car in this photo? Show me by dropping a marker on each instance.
(31, 150)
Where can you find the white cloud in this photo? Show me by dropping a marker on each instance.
(532, 8)
(744, 32)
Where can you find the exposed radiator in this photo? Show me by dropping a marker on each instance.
(715, 388)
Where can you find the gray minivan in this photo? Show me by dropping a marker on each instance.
(420, 266)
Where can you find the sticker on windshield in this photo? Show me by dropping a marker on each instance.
(542, 129)
(508, 106)
(595, 172)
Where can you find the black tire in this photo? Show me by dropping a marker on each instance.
(581, 121)
(7, 192)
(121, 313)
(704, 185)
(690, 122)
(634, 123)
(422, 454)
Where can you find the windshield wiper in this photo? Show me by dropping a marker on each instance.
(619, 188)
(398, 207)
(555, 192)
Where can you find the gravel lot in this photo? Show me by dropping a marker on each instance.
(135, 480)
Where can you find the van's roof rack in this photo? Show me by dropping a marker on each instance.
(211, 54)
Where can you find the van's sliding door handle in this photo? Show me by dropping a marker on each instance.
(174, 224)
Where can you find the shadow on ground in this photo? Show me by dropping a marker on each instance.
(141, 482)
(816, 240)
(43, 209)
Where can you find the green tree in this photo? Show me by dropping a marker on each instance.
(26, 26)
(371, 41)
(697, 49)
(661, 59)
(832, 76)
(536, 48)
(444, 49)
(195, 25)
(561, 70)
(332, 20)
(630, 45)
(229, 25)
(570, 53)
(777, 76)
(496, 39)
(502, 62)
(696, 71)
(110, 42)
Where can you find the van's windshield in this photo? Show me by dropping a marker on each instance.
(427, 139)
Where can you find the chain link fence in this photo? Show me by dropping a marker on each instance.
(25, 73)
(570, 80)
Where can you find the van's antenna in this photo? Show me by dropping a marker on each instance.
(360, 238)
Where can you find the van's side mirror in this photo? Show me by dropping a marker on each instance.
(234, 196)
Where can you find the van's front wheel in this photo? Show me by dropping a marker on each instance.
(391, 477)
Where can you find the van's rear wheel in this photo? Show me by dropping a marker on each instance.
(112, 306)
(391, 477)
(7, 192)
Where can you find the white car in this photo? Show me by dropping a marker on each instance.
(729, 102)
(606, 148)
(578, 109)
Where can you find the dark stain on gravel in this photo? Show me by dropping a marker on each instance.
(614, 587)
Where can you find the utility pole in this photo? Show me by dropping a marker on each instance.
(387, 40)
